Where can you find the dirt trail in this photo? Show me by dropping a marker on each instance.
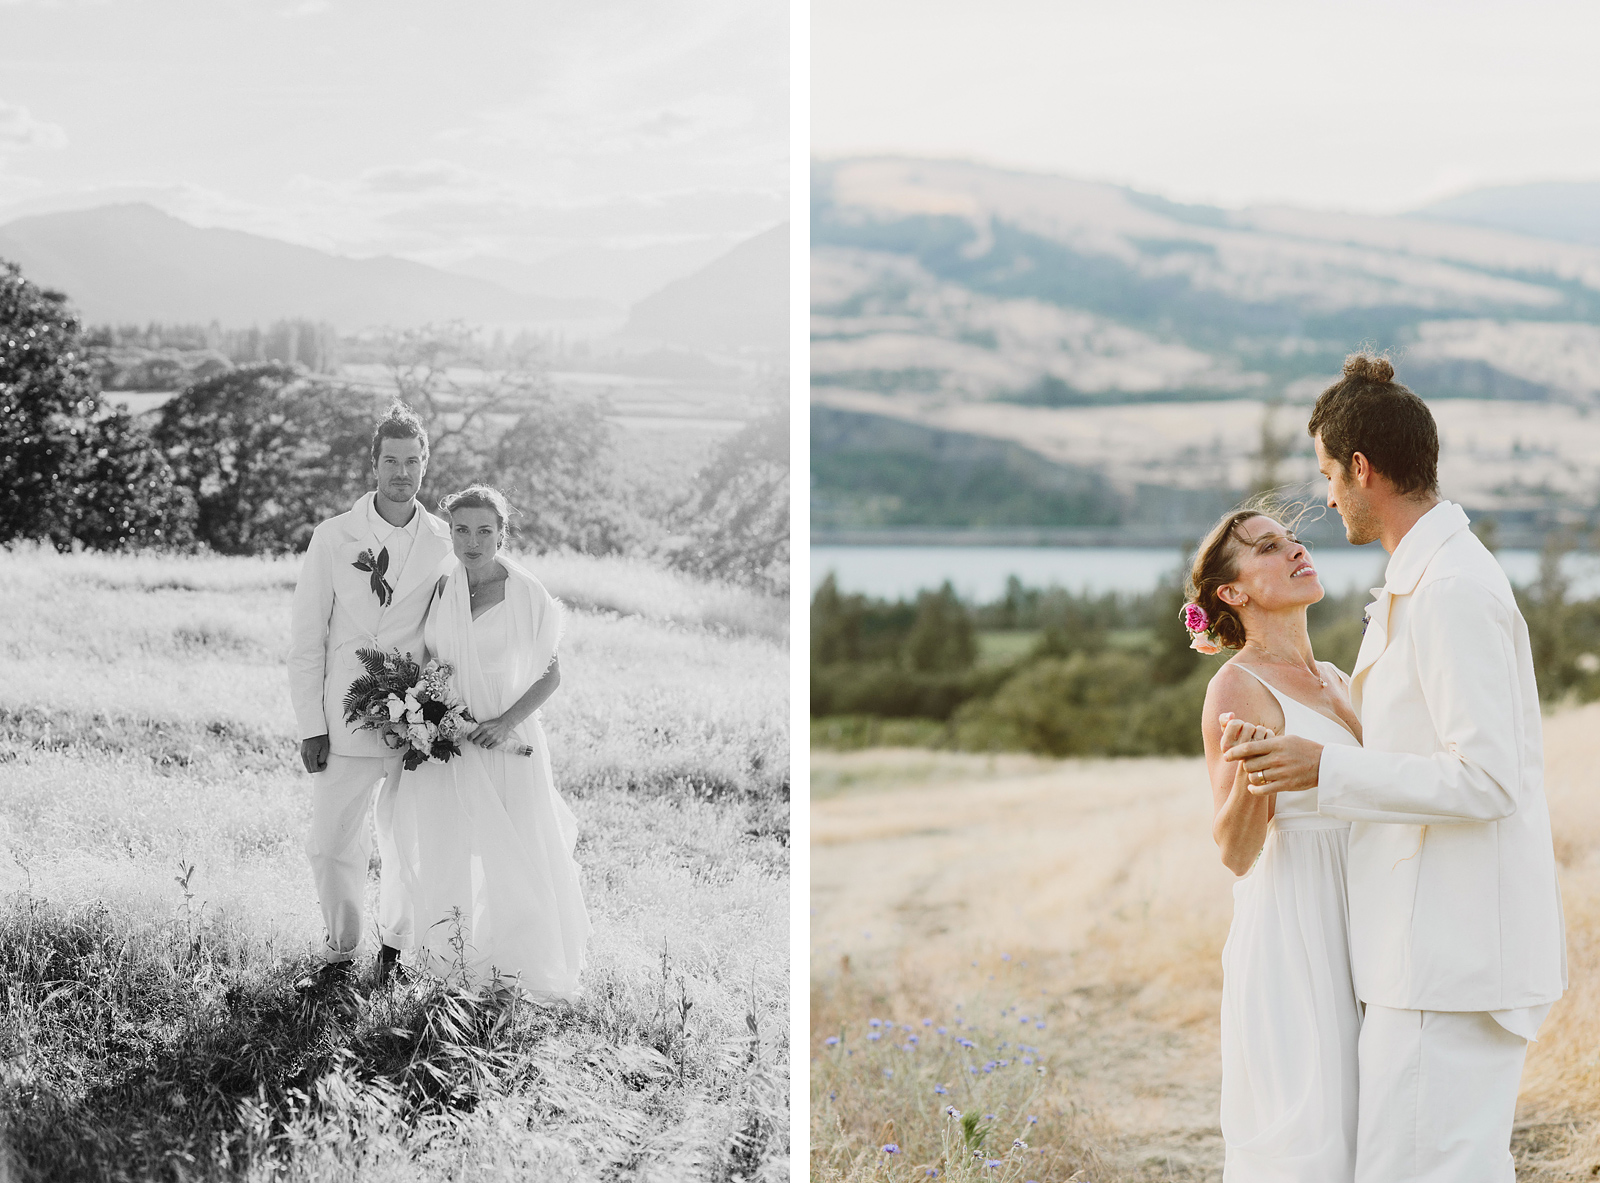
(1102, 873)
(921, 862)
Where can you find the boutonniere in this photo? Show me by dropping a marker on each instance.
(377, 567)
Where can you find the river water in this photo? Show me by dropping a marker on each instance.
(978, 573)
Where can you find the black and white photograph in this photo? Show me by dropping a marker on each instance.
(395, 574)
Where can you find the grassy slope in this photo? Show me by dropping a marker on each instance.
(976, 890)
(145, 729)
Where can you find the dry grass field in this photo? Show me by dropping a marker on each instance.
(1066, 919)
(156, 906)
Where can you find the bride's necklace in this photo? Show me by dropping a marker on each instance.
(483, 586)
(1297, 664)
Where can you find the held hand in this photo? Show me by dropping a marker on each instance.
(1236, 730)
(314, 753)
(1282, 764)
(493, 733)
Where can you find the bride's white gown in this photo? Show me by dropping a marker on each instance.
(1290, 1019)
(486, 832)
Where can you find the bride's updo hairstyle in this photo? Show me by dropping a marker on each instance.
(1216, 563)
(1367, 411)
(481, 497)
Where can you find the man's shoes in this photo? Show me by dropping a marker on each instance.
(328, 975)
(388, 958)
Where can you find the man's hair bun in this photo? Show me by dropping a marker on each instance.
(1362, 367)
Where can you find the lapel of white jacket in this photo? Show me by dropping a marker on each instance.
(1406, 568)
(1374, 640)
(432, 540)
(358, 529)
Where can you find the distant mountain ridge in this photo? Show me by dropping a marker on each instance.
(739, 301)
(941, 279)
(134, 263)
(1568, 211)
(618, 275)
(1164, 346)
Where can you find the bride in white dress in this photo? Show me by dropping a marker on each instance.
(485, 841)
(1290, 1019)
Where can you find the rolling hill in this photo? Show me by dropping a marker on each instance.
(617, 275)
(134, 263)
(1095, 325)
(1565, 210)
(737, 302)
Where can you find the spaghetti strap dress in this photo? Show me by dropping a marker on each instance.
(1290, 1019)
(486, 842)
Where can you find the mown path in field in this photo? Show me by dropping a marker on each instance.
(922, 862)
(1103, 877)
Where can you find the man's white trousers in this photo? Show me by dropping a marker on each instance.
(1438, 1093)
(340, 847)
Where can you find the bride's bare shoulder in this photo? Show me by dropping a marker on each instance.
(1230, 678)
(1236, 690)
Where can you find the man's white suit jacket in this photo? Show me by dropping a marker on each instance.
(336, 612)
(1454, 904)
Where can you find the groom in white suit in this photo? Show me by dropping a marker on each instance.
(366, 581)
(1457, 940)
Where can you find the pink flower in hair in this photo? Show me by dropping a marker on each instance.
(1194, 618)
(1204, 644)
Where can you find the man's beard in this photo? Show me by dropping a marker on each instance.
(1360, 527)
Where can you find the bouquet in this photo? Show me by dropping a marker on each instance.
(414, 708)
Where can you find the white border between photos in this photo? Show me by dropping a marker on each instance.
(799, 586)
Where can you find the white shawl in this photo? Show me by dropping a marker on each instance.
(537, 622)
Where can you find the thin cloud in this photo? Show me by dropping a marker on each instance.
(20, 129)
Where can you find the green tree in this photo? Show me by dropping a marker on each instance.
(128, 495)
(1079, 706)
(737, 512)
(941, 637)
(555, 465)
(554, 462)
(1547, 613)
(1174, 660)
(463, 394)
(267, 454)
(71, 467)
(835, 625)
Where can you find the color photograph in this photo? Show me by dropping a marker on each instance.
(1205, 592)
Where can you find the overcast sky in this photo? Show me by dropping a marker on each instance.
(431, 130)
(1357, 105)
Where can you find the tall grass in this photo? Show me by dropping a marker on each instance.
(1088, 893)
(1560, 1100)
(157, 908)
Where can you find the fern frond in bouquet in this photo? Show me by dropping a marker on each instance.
(414, 708)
